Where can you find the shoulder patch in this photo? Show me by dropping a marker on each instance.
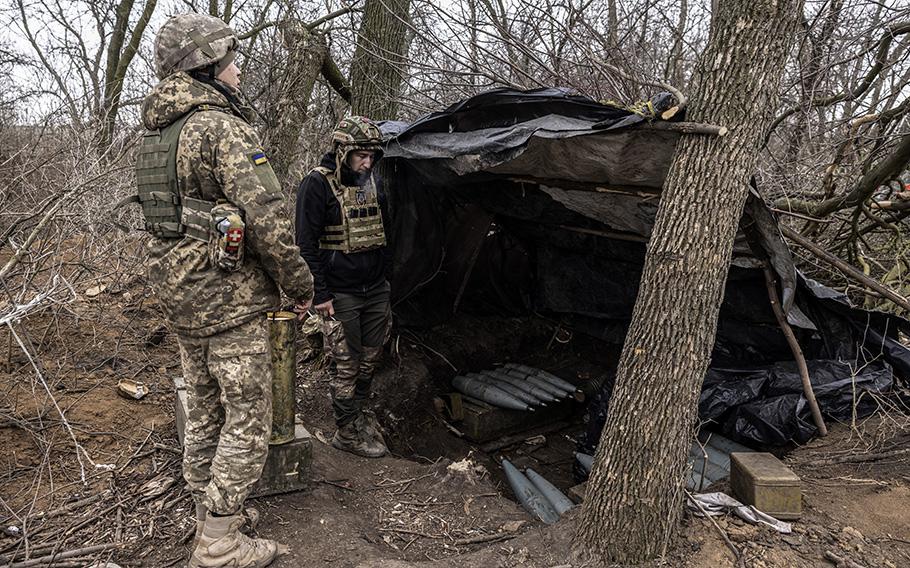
(259, 158)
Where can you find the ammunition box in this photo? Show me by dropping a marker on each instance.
(482, 422)
(762, 480)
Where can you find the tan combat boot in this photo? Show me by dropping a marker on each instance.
(250, 519)
(223, 545)
(349, 439)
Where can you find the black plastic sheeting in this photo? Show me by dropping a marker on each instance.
(493, 116)
(766, 406)
(753, 392)
(538, 161)
(541, 202)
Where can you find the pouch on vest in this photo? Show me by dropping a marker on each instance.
(227, 236)
(166, 214)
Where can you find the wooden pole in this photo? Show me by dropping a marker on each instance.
(771, 282)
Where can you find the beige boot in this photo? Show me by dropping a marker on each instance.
(222, 544)
(250, 521)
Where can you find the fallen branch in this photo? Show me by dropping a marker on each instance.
(75, 553)
(336, 484)
(471, 262)
(847, 269)
(410, 532)
(136, 453)
(167, 449)
(402, 482)
(859, 458)
(496, 537)
(800, 216)
(79, 449)
(70, 507)
(723, 533)
(687, 128)
(496, 445)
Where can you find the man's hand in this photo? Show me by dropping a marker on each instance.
(326, 309)
(302, 310)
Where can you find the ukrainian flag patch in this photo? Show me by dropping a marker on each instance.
(259, 158)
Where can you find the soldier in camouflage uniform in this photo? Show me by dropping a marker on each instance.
(341, 235)
(218, 312)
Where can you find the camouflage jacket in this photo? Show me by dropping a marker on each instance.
(215, 161)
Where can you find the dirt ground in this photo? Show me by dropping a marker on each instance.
(438, 499)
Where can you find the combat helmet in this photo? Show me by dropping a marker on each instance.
(356, 133)
(192, 41)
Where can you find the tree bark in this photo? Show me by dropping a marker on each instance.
(635, 492)
(306, 53)
(380, 58)
(336, 80)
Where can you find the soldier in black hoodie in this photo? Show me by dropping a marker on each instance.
(341, 236)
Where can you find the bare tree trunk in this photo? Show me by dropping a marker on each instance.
(634, 497)
(473, 24)
(674, 72)
(380, 58)
(119, 59)
(613, 24)
(306, 54)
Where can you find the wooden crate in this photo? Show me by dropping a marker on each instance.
(482, 422)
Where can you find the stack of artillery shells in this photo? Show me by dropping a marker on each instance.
(513, 386)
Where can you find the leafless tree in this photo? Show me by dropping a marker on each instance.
(85, 49)
(634, 495)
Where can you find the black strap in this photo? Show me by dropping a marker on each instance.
(125, 201)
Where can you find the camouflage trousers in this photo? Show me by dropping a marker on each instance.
(229, 414)
(353, 345)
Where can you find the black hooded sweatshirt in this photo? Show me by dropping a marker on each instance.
(333, 270)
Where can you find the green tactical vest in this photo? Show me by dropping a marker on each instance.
(168, 214)
(361, 219)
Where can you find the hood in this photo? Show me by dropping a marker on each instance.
(328, 161)
(176, 95)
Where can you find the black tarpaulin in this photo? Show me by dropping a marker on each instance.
(542, 202)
